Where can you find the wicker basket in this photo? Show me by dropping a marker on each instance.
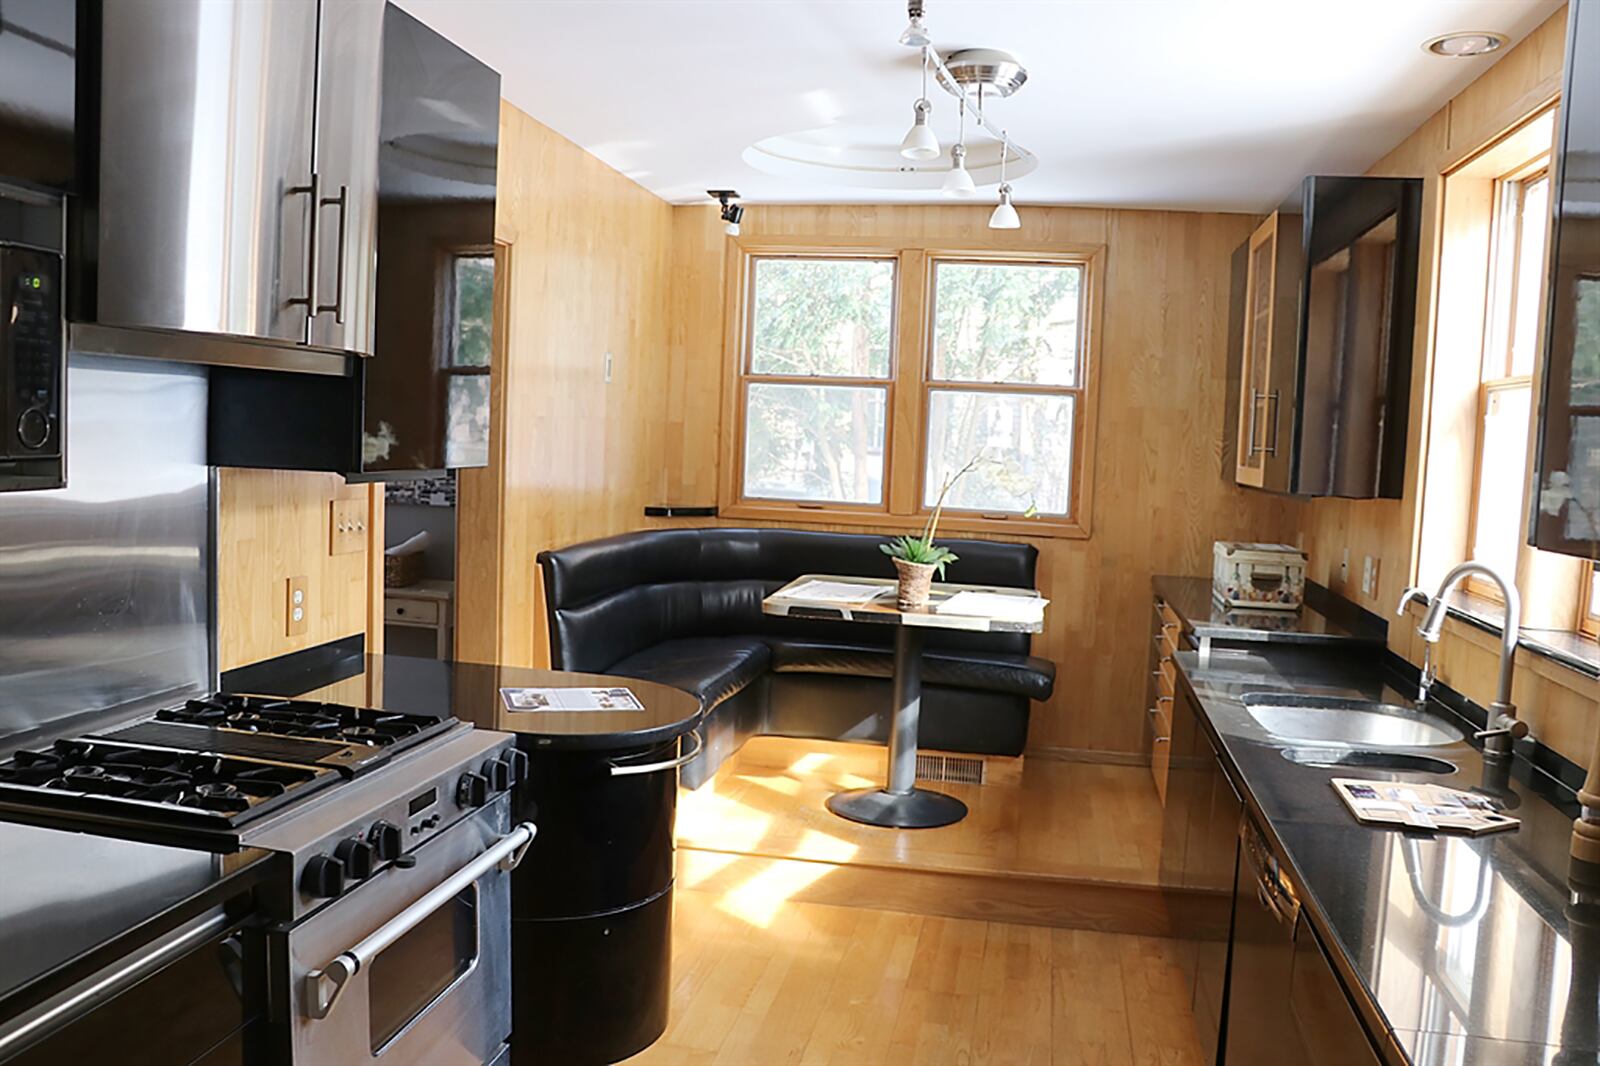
(400, 571)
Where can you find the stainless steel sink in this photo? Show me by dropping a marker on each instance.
(1358, 759)
(1333, 720)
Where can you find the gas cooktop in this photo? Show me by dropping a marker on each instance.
(352, 740)
(202, 789)
(202, 771)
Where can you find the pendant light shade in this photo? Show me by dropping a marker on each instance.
(1005, 216)
(920, 143)
(958, 182)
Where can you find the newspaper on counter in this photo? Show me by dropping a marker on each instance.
(1410, 805)
(533, 700)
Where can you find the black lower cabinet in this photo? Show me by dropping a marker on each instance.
(1285, 1002)
(1199, 836)
(199, 1008)
(591, 908)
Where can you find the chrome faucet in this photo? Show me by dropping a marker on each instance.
(1503, 726)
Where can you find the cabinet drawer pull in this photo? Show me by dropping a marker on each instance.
(1163, 740)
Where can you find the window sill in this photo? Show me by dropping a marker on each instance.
(1569, 649)
(949, 523)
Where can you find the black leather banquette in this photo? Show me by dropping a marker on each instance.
(683, 607)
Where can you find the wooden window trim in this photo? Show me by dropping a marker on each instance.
(909, 386)
(1588, 610)
(1496, 358)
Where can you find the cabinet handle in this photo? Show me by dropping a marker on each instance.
(343, 202)
(1163, 740)
(1272, 398)
(314, 191)
(1250, 432)
(1163, 699)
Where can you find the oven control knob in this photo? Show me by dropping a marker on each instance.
(385, 840)
(357, 856)
(498, 771)
(472, 790)
(33, 428)
(323, 877)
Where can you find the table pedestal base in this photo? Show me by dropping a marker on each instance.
(917, 809)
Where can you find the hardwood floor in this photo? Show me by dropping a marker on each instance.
(817, 984)
(1064, 820)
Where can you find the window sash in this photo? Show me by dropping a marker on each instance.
(1589, 602)
(908, 388)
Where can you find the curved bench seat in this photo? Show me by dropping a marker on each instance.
(683, 607)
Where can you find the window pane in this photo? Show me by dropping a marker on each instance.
(1006, 322)
(814, 442)
(1024, 445)
(1530, 274)
(1594, 594)
(822, 317)
(1501, 475)
(473, 330)
(466, 441)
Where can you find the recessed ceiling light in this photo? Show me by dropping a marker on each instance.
(1465, 44)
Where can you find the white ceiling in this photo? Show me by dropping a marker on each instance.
(1211, 104)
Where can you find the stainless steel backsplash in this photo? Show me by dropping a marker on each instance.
(106, 585)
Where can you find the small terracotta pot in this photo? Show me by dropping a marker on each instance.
(916, 581)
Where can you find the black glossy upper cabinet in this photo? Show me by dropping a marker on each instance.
(1328, 307)
(428, 384)
(420, 403)
(1566, 518)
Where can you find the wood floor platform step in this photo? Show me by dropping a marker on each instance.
(1070, 845)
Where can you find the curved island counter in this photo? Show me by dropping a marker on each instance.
(591, 934)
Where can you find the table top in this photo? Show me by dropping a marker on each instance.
(882, 610)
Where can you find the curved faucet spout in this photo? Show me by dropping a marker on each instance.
(1433, 621)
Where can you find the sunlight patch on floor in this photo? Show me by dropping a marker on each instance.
(810, 762)
(737, 827)
(788, 786)
(760, 897)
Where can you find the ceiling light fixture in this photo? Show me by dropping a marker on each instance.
(1005, 215)
(915, 35)
(920, 143)
(958, 182)
(1465, 44)
(732, 213)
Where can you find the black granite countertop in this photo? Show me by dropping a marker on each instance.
(1468, 949)
(471, 691)
(73, 903)
(1204, 617)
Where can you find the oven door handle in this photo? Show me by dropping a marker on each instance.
(322, 987)
(629, 769)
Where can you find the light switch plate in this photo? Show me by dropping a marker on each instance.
(347, 526)
(297, 607)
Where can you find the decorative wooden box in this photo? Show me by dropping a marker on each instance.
(1258, 575)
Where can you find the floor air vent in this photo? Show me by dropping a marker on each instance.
(956, 769)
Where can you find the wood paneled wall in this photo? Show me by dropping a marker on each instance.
(1559, 704)
(572, 456)
(273, 525)
(1160, 500)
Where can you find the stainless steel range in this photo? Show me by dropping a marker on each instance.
(387, 932)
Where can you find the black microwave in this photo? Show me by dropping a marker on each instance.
(38, 70)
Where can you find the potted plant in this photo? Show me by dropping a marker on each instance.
(918, 559)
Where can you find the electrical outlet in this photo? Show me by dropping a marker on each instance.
(1369, 577)
(347, 526)
(298, 607)
(608, 368)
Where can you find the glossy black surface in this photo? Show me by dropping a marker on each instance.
(72, 902)
(471, 692)
(1203, 616)
(1451, 942)
(1568, 460)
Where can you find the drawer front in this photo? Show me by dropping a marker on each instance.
(1161, 744)
(419, 612)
